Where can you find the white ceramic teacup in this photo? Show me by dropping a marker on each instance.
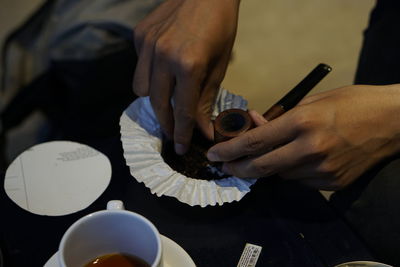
(114, 230)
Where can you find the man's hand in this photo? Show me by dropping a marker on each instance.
(327, 141)
(183, 49)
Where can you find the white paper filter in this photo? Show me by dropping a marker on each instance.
(141, 140)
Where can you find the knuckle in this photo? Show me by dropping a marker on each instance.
(321, 145)
(253, 143)
(162, 48)
(191, 65)
(327, 169)
(303, 120)
(318, 147)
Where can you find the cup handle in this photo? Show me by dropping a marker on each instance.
(115, 205)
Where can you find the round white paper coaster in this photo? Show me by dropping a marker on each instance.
(57, 178)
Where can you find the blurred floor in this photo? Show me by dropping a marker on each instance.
(278, 43)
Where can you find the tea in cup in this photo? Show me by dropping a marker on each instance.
(114, 235)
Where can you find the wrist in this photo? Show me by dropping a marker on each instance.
(391, 96)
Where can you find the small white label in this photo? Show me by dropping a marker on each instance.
(249, 256)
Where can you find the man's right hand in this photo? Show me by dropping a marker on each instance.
(183, 49)
(327, 141)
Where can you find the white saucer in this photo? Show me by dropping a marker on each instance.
(363, 264)
(173, 255)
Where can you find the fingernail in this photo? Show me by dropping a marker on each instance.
(257, 116)
(261, 117)
(212, 156)
(211, 130)
(180, 149)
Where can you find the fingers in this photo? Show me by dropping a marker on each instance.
(254, 142)
(161, 88)
(186, 95)
(208, 97)
(284, 162)
(264, 165)
(190, 39)
(204, 111)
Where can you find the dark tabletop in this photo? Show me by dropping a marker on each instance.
(294, 225)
